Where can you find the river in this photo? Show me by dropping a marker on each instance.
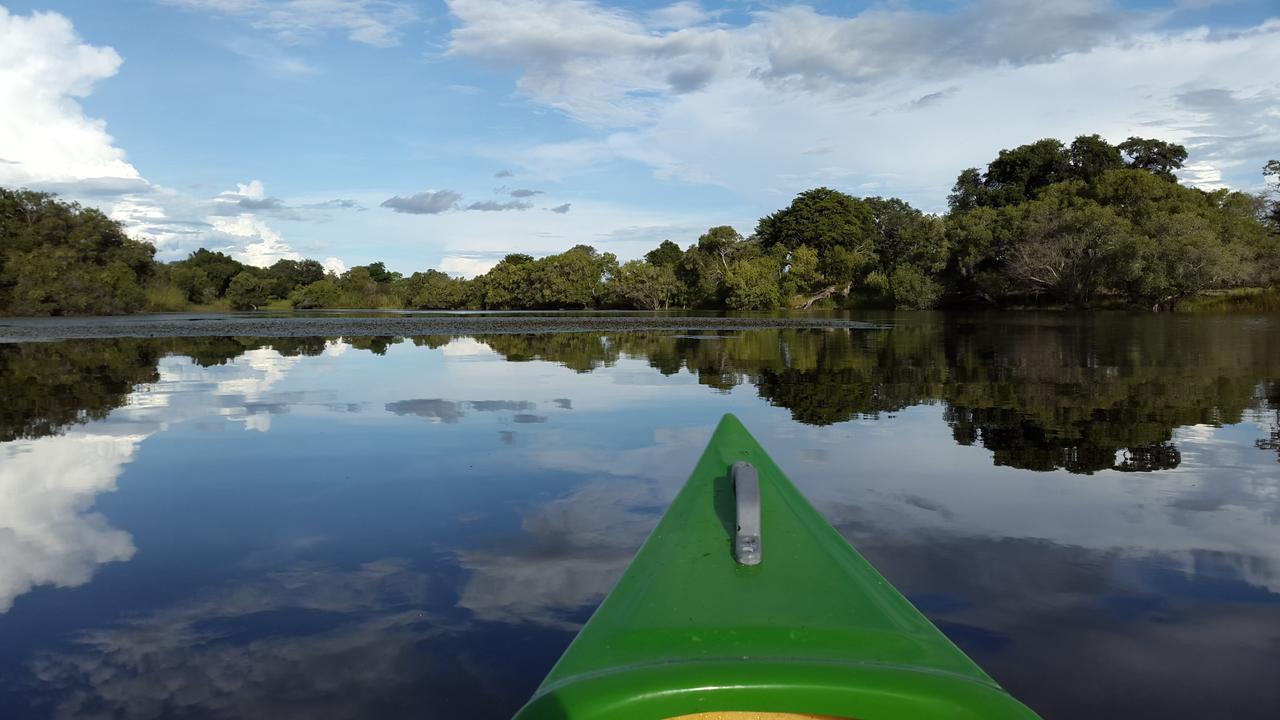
(374, 526)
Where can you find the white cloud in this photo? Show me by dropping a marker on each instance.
(47, 533)
(48, 143)
(257, 243)
(597, 64)
(254, 190)
(334, 265)
(468, 267)
(817, 50)
(371, 22)
(886, 101)
(45, 137)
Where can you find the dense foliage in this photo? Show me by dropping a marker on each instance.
(59, 258)
(1043, 223)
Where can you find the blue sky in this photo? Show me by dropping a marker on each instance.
(443, 134)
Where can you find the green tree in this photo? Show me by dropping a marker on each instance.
(1019, 174)
(218, 267)
(193, 282)
(907, 240)
(247, 291)
(968, 192)
(914, 289)
(58, 258)
(701, 278)
(324, 293)
(59, 282)
(434, 290)
(839, 227)
(754, 284)
(1154, 156)
(667, 254)
(979, 241)
(573, 279)
(506, 285)
(1090, 156)
(645, 285)
(1064, 247)
(1182, 256)
(803, 270)
(378, 273)
(286, 275)
(720, 243)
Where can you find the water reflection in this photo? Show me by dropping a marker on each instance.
(302, 643)
(244, 527)
(48, 535)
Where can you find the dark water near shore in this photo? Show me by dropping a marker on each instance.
(415, 527)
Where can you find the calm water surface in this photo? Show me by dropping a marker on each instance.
(416, 527)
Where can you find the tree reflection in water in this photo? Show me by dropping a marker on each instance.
(1041, 392)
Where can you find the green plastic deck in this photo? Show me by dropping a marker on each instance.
(812, 629)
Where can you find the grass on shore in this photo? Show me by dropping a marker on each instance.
(1246, 300)
(166, 298)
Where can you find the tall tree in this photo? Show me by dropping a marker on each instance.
(667, 254)
(645, 285)
(839, 227)
(218, 267)
(60, 258)
(573, 279)
(1157, 157)
(1019, 174)
(1091, 156)
(1064, 247)
(247, 291)
(434, 290)
(968, 193)
(506, 285)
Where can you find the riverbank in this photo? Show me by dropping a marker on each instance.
(221, 325)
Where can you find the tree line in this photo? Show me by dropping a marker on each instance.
(1046, 222)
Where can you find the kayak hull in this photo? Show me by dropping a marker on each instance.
(813, 628)
(755, 684)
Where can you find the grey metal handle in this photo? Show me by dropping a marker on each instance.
(746, 489)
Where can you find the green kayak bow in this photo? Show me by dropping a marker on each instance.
(745, 599)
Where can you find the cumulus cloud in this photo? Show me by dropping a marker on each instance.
(334, 265)
(424, 203)
(50, 144)
(252, 241)
(561, 209)
(371, 22)
(503, 174)
(45, 137)
(466, 266)
(495, 206)
(521, 193)
(48, 536)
